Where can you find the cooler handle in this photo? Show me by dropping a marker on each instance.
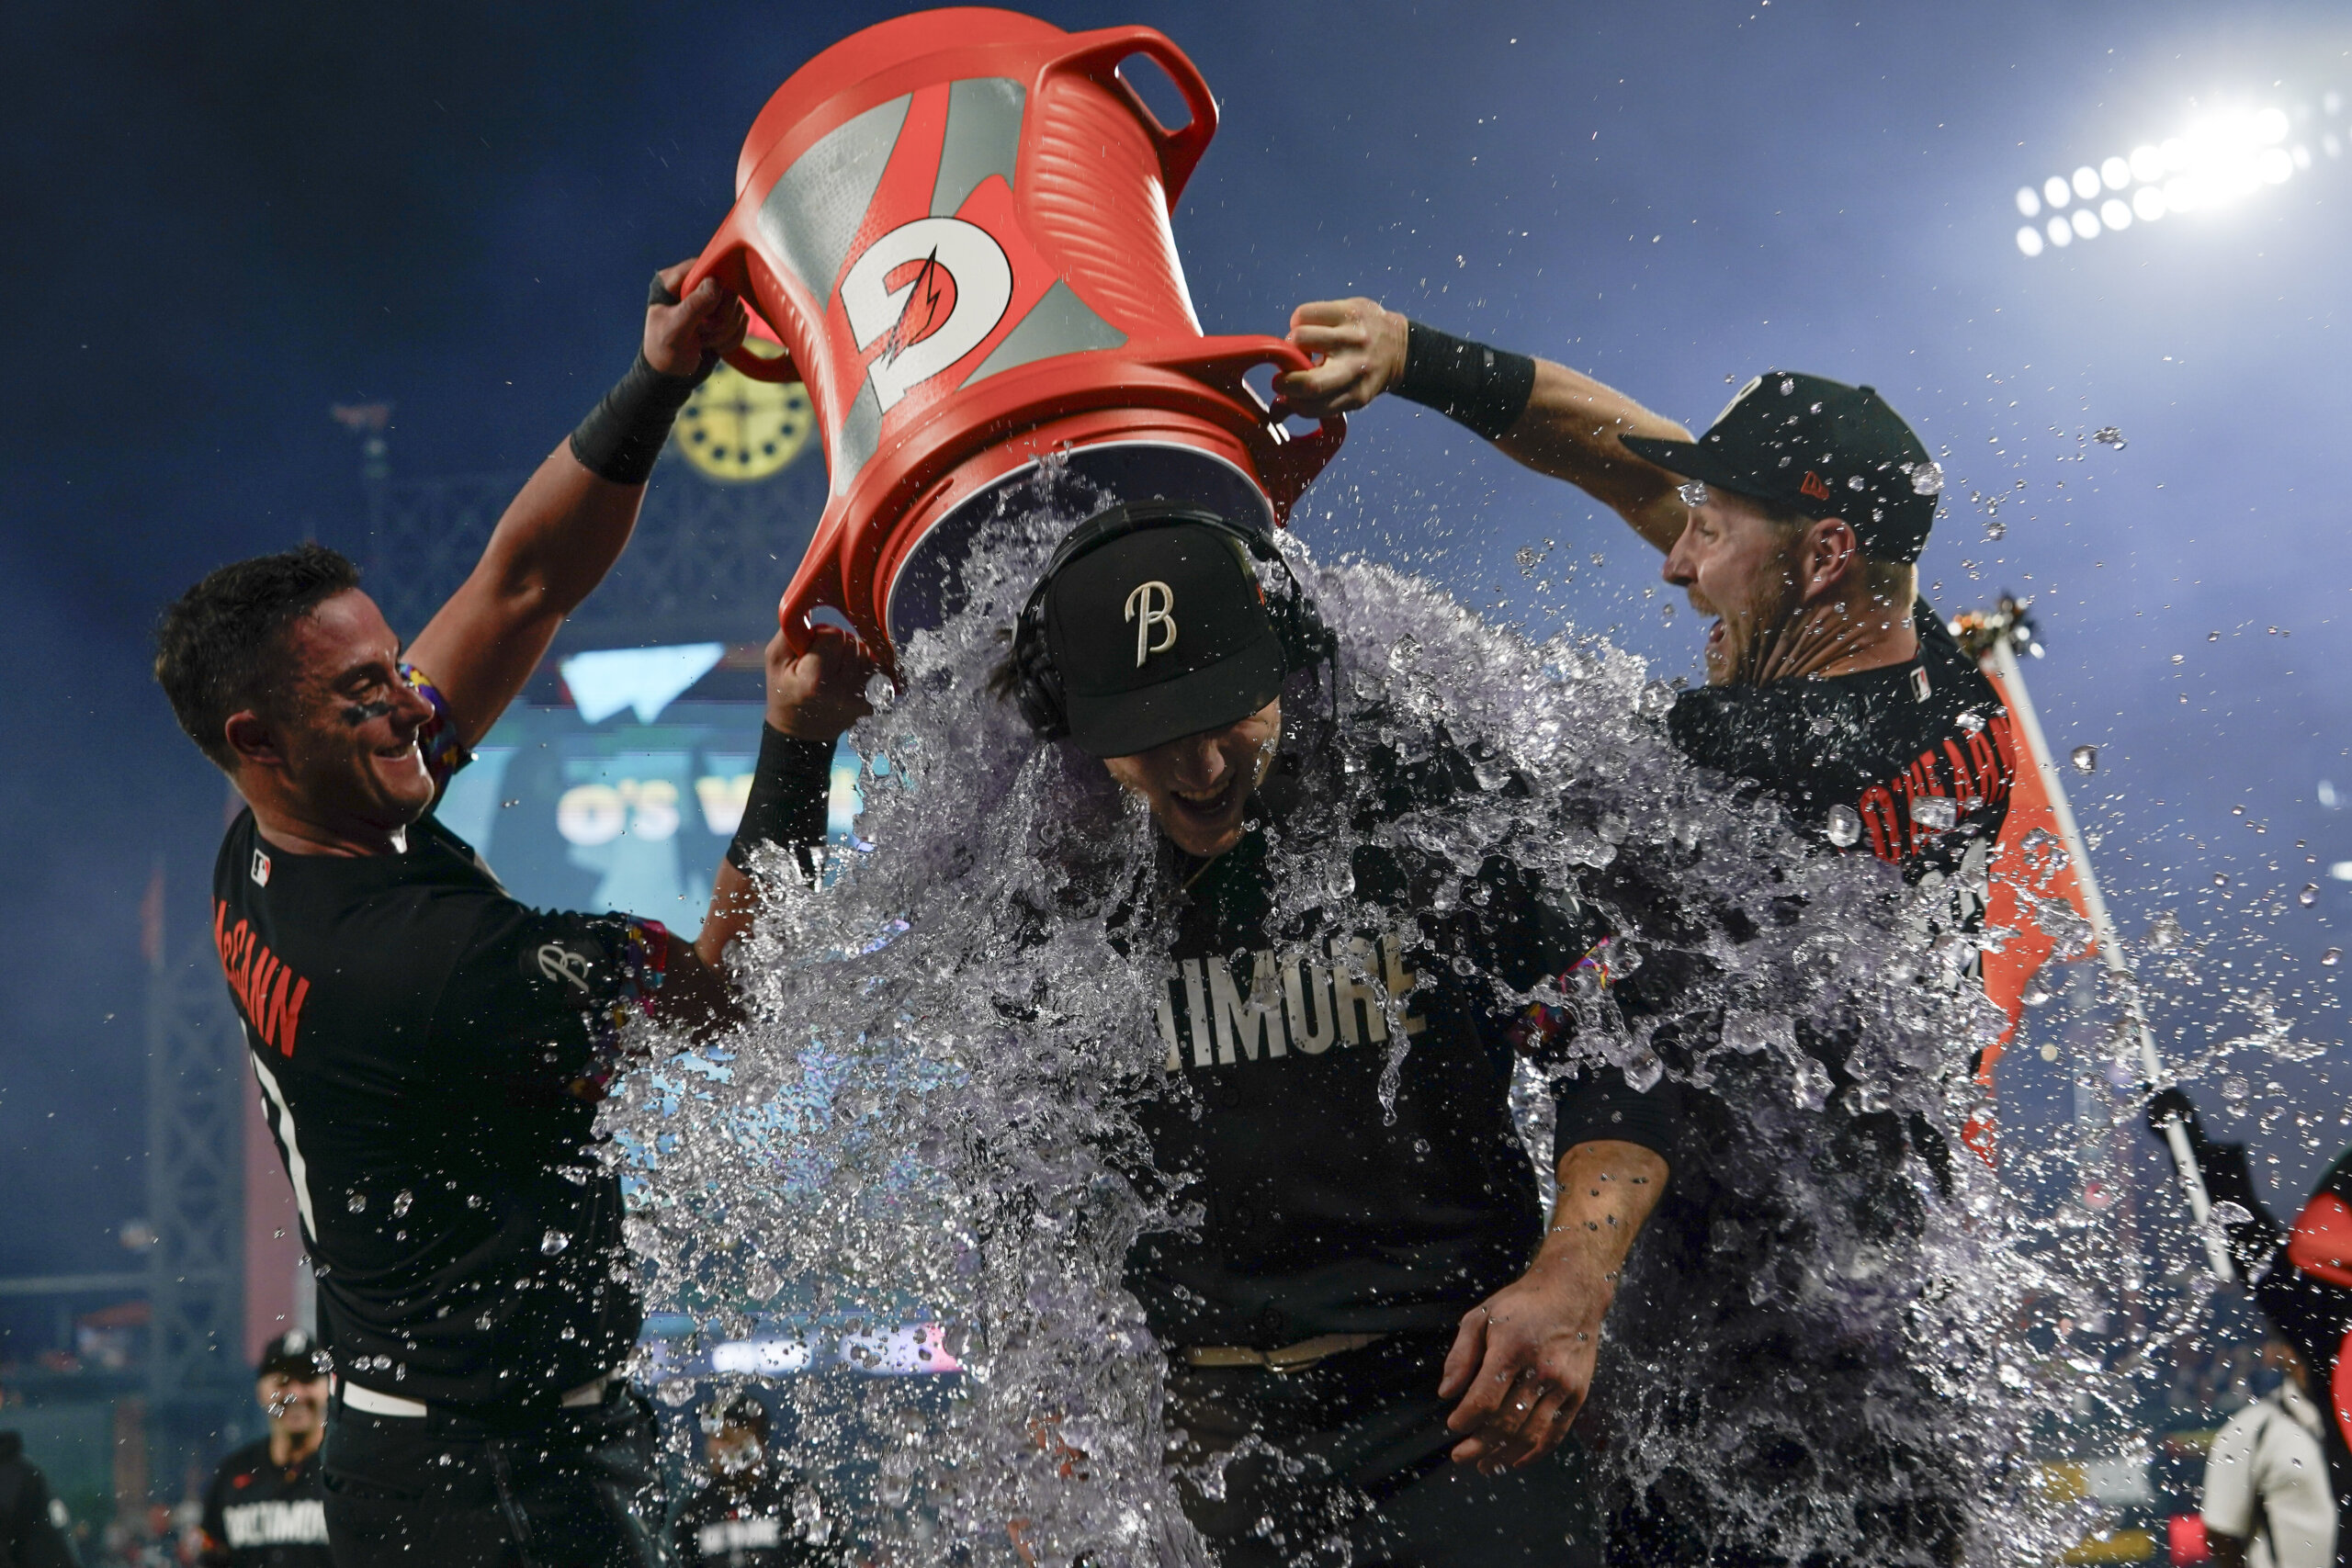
(1180, 151)
(818, 583)
(723, 259)
(1293, 461)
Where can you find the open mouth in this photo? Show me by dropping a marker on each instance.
(1715, 635)
(1209, 805)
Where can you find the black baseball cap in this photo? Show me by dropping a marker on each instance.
(1160, 633)
(1818, 448)
(297, 1354)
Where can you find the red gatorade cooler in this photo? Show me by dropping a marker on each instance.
(957, 223)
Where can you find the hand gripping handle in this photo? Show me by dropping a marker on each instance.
(723, 259)
(1098, 54)
(1287, 464)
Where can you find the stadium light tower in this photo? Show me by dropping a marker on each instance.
(2216, 162)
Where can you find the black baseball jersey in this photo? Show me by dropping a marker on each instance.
(1324, 1210)
(763, 1522)
(1919, 754)
(260, 1515)
(429, 1053)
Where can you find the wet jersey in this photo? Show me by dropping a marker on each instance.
(429, 1053)
(261, 1514)
(769, 1523)
(1920, 753)
(1321, 1211)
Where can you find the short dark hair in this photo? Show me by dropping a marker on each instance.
(218, 644)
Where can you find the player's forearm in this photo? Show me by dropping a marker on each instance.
(1569, 431)
(787, 810)
(1607, 1191)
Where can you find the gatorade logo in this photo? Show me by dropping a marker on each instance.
(925, 294)
(1814, 486)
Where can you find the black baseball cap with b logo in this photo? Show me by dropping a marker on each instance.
(1820, 449)
(1159, 633)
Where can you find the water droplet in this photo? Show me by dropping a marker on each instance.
(359, 1203)
(2107, 436)
(1934, 812)
(2235, 1090)
(1693, 493)
(2180, 658)
(2308, 895)
(400, 1200)
(1855, 482)
(2165, 932)
(473, 1200)
(2220, 879)
(1787, 385)
(553, 1243)
(1970, 722)
(880, 691)
(2229, 1212)
(1844, 826)
(2331, 958)
(2213, 637)
(1927, 478)
(2084, 758)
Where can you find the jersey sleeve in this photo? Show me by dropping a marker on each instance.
(2229, 1475)
(443, 749)
(543, 998)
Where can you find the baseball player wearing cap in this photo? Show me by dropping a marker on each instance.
(1376, 1337)
(2301, 1276)
(264, 1509)
(1795, 521)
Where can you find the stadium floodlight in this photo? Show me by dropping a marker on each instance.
(2219, 160)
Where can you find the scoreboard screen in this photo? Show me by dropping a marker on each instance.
(619, 814)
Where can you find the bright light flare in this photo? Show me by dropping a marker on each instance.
(2220, 159)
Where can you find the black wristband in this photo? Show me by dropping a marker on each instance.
(622, 436)
(1485, 388)
(788, 798)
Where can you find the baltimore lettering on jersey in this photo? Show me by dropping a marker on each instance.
(268, 990)
(275, 1522)
(1304, 1000)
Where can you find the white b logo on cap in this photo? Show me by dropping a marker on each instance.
(1158, 602)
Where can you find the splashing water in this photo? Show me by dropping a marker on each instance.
(934, 1114)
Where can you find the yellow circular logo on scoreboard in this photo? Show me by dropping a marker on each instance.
(737, 429)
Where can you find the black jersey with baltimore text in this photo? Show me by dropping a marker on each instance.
(1323, 1212)
(429, 1053)
(258, 1514)
(1893, 745)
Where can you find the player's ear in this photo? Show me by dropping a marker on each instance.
(1831, 555)
(251, 739)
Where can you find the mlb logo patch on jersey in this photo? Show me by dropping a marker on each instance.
(261, 869)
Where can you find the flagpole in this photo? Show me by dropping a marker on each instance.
(2192, 1180)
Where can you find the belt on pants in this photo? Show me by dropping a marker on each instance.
(1289, 1358)
(590, 1392)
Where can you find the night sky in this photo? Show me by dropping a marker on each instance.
(223, 221)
